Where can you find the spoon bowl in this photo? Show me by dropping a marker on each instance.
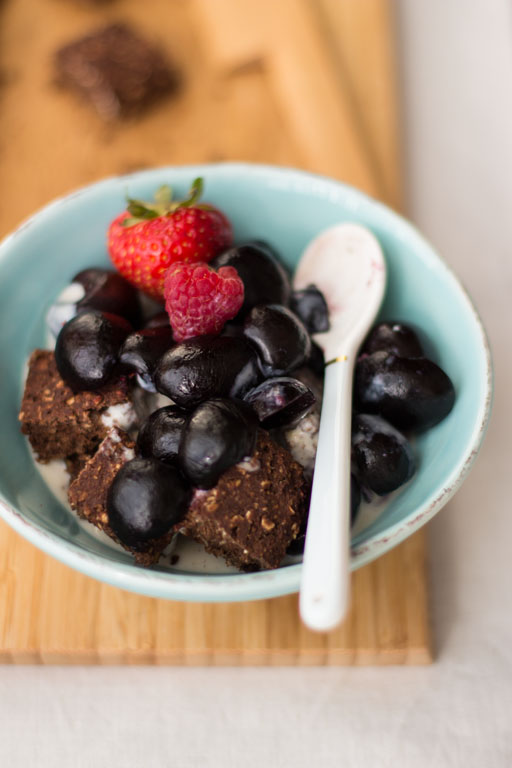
(353, 254)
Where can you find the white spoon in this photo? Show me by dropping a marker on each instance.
(346, 263)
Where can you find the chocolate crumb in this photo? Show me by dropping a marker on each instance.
(116, 70)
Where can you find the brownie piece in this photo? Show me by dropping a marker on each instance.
(75, 463)
(61, 423)
(120, 73)
(253, 513)
(88, 492)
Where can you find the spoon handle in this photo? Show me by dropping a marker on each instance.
(324, 590)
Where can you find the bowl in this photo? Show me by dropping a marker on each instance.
(287, 208)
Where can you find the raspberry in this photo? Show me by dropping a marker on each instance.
(199, 300)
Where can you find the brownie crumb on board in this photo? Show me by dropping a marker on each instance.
(253, 513)
(88, 492)
(59, 422)
(116, 70)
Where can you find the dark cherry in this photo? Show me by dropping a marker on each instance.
(316, 360)
(158, 320)
(383, 456)
(309, 304)
(412, 394)
(107, 291)
(145, 500)
(280, 338)
(233, 328)
(100, 289)
(265, 279)
(280, 401)
(218, 434)
(355, 498)
(396, 338)
(160, 435)
(205, 367)
(87, 347)
(142, 350)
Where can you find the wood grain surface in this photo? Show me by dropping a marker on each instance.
(302, 83)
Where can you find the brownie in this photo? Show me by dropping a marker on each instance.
(119, 72)
(253, 513)
(88, 492)
(59, 422)
(75, 463)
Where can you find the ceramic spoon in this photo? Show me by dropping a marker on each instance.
(346, 263)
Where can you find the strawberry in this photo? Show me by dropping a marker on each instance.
(147, 238)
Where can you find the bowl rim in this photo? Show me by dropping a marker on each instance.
(284, 580)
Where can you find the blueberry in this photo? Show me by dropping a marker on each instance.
(395, 338)
(142, 350)
(205, 367)
(280, 338)
(412, 394)
(309, 304)
(87, 348)
(280, 401)
(218, 434)
(264, 278)
(160, 435)
(383, 456)
(145, 500)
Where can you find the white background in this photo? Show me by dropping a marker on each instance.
(456, 65)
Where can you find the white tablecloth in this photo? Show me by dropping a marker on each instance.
(457, 77)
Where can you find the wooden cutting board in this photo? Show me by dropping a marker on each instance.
(302, 83)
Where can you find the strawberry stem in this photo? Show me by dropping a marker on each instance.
(163, 204)
(196, 190)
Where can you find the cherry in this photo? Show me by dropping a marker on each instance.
(87, 347)
(218, 434)
(280, 401)
(142, 350)
(205, 367)
(412, 394)
(280, 338)
(265, 279)
(309, 304)
(146, 499)
(383, 456)
(159, 437)
(395, 338)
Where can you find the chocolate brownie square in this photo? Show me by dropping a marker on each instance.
(61, 423)
(254, 512)
(119, 72)
(88, 492)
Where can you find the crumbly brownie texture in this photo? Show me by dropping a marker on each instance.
(88, 492)
(59, 422)
(253, 513)
(118, 72)
(75, 463)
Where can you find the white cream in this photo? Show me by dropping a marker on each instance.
(302, 440)
(121, 415)
(64, 307)
(249, 464)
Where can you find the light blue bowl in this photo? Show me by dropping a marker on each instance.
(287, 208)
